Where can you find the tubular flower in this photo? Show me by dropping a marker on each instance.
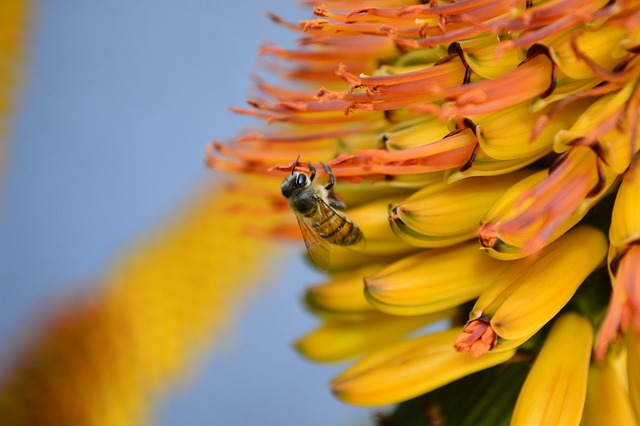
(555, 389)
(478, 145)
(527, 295)
(341, 338)
(431, 217)
(408, 369)
(624, 258)
(632, 346)
(431, 280)
(606, 400)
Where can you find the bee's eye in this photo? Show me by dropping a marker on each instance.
(301, 179)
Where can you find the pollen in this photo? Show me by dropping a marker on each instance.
(477, 338)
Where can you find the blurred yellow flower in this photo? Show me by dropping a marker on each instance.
(102, 359)
(13, 26)
(513, 122)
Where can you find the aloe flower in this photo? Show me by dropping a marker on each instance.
(487, 150)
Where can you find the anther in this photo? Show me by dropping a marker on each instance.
(599, 186)
(540, 49)
(615, 262)
(558, 161)
(469, 124)
(594, 145)
(466, 166)
(455, 49)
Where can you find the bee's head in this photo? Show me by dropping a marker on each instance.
(293, 182)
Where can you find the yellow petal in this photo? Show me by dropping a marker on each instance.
(602, 108)
(607, 401)
(615, 143)
(632, 344)
(344, 293)
(413, 134)
(506, 134)
(488, 166)
(337, 340)
(479, 53)
(409, 369)
(380, 239)
(530, 292)
(432, 280)
(555, 388)
(547, 205)
(625, 220)
(443, 214)
(597, 44)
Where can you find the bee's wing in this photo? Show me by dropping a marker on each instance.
(319, 250)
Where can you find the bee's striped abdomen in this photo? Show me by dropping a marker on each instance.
(338, 229)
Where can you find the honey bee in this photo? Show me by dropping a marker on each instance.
(317, 209)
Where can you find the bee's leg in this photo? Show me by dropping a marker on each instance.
(295, 164)
(332, 179)
(332, 197)
(313, 171)
(335, 201)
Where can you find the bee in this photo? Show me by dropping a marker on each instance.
(318, 211)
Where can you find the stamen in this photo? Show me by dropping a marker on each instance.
(615, 76)
(469, 124)
(615, 262)
(488, 237)
(278, 20)
(624, 305)
(471, 160)
(601, 184)
(477, 338)
(455, 49)
(594, 92)
(540, 49)
(631, 108)
(590, 143)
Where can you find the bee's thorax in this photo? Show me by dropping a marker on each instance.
(304, 200)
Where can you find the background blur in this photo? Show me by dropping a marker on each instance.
(107, 140)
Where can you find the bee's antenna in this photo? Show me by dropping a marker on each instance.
(295, 164)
